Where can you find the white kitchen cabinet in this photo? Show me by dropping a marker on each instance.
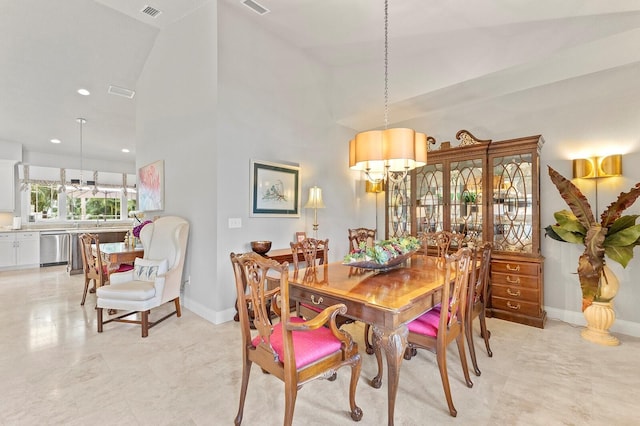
(7, 186)
(19, 250)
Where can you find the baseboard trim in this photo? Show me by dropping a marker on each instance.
(577, 318)
(215, 317)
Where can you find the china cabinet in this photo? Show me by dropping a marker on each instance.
(488, 191)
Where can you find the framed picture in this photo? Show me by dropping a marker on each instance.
(300, 236)
(275, 189)
(151, 187)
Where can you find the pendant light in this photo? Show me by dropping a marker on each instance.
(389, 152)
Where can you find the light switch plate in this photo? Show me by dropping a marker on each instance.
(235, 222)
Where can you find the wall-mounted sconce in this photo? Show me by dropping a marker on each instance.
(597, 167)
(315, 202)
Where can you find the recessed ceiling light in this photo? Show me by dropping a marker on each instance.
(55, 141)
(125, 150)
(84, 92)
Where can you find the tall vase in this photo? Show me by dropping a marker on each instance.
(600, 315)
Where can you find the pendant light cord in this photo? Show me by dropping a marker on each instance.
(386, 64)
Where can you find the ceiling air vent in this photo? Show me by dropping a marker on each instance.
(257, 8)
(151, 11)
(121, 91)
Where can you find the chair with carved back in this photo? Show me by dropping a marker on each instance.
(437, 328)
(294, 350)
(361, 235)
(314, 253)
(92, 265)
(476, 302)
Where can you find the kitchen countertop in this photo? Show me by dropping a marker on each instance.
(73, 230)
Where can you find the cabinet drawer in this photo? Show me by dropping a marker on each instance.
(515, 280)
(27, 236)
(7, 237)
(516, 306)
(313, 299)
(519, 268)
(515, 293)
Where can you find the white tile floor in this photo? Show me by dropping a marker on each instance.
(55, 369)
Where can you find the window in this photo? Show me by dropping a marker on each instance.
(44, 201)
(47, 202)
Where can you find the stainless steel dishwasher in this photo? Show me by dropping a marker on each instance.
(54, 248)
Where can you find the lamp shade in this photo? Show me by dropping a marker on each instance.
(395, 150)
(315, 199)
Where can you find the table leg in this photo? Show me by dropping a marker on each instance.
(393, 343)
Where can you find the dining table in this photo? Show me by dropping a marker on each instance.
(385, 299)
(115, 254)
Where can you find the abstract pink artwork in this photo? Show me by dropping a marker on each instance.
(151, 186)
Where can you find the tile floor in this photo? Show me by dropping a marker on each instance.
(55, 369)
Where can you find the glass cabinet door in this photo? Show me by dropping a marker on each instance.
(429, 198)
(465, 193)
(512, 203)
(398, 207)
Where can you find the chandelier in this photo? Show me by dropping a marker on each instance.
(388, 152)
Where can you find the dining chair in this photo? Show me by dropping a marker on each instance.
(361, 235)
(92, 265)
(310, 248)
(477, 301)
(293, 349)
(437, 328)
(155, 280)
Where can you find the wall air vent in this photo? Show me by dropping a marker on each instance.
(256, 7)
(121, 91)
(151, 11)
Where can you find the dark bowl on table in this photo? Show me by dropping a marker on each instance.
(261, 247)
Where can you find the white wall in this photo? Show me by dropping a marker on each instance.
(574, 125)
(215, 93)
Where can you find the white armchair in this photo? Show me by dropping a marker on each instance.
(155, 279)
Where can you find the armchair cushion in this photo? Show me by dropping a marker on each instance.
(309, 346)
(147, 269)
(133, 291)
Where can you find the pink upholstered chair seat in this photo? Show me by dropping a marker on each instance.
(309, 346)
(427, 324)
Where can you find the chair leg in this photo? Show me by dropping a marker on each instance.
(472, 349)
(144, 320)
(376, 382)
(177, 302)
(290, 395)
(86, 288)
(246, 369)
(356, 412)
(367, 342)
(441, 357)
(99, 313)
(486, 334)
(463, 359)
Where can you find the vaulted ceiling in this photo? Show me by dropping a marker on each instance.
(441, 54)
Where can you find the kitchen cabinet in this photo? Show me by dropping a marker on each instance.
(7, 185)
(488, 191)
(19, 250)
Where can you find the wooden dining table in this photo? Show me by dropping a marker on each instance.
(115, 254)
(385, 300)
